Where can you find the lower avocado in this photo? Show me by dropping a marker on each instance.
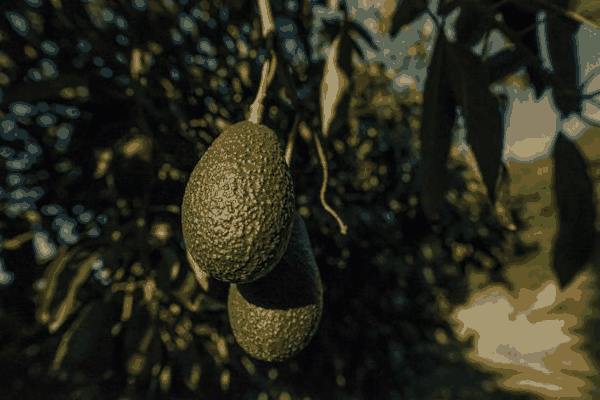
(276, 316)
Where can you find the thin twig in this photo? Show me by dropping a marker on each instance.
(570, 14)
(270, 65)
(486, 42)
(289, 149)
(529, 28)
(581, 18)
(323, 159)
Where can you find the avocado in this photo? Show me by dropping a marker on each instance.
(238, 205)
(275, 317)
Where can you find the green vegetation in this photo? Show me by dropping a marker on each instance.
(106, 106)
(238, 205)
(275, 317)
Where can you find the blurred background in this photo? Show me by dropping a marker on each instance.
(519, 334)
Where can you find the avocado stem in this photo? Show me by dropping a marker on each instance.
(268, 73)
(269, 67)
(256, 109)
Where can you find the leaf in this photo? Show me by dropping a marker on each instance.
(331, 29)
(448, 6)
(595, 257)
(190, 366)
(87, 346)
(576, 209)
(344, 55)
(471, 24)
(405, 13)
(363, 33)
(538, 79)
(141, 343)
(439, 114)
(503, 213)
(485, 133)
(519, 16)
(503, 63)
(561, 46)
(336, 84)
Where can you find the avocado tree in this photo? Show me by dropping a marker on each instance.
(107, 107)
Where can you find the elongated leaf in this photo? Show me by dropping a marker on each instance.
(503, 63)
(519, 16)
(539, 79)
(471, 24)
(336, 85)
(344, 55)
(405, 13)
(447, 7)
(439, 114)
(576, 209)
(561, 45)
(87, 347)
(363, 32)
(141, 343)
(485, 134)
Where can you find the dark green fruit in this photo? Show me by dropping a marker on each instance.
(238, 206)
(276, 316)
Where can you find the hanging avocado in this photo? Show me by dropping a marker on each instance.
(238, 206)
(276, 316)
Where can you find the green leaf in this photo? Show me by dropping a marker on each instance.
(336, 86)
(539, 79)
(471, 24)
(87, 346)
(503, 63)
(405, 13)
(446, 7)
(439, 114)
(561, 46)
(363, 33)
(344, 57)
(576, 209)
(485, 134)
(520, 16)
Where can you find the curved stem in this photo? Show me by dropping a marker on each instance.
(323, 159)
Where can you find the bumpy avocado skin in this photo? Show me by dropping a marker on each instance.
(275, 317)
(238, 205)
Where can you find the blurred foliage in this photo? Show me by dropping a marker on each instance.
(106, 108)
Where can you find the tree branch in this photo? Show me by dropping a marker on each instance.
(270, 65)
